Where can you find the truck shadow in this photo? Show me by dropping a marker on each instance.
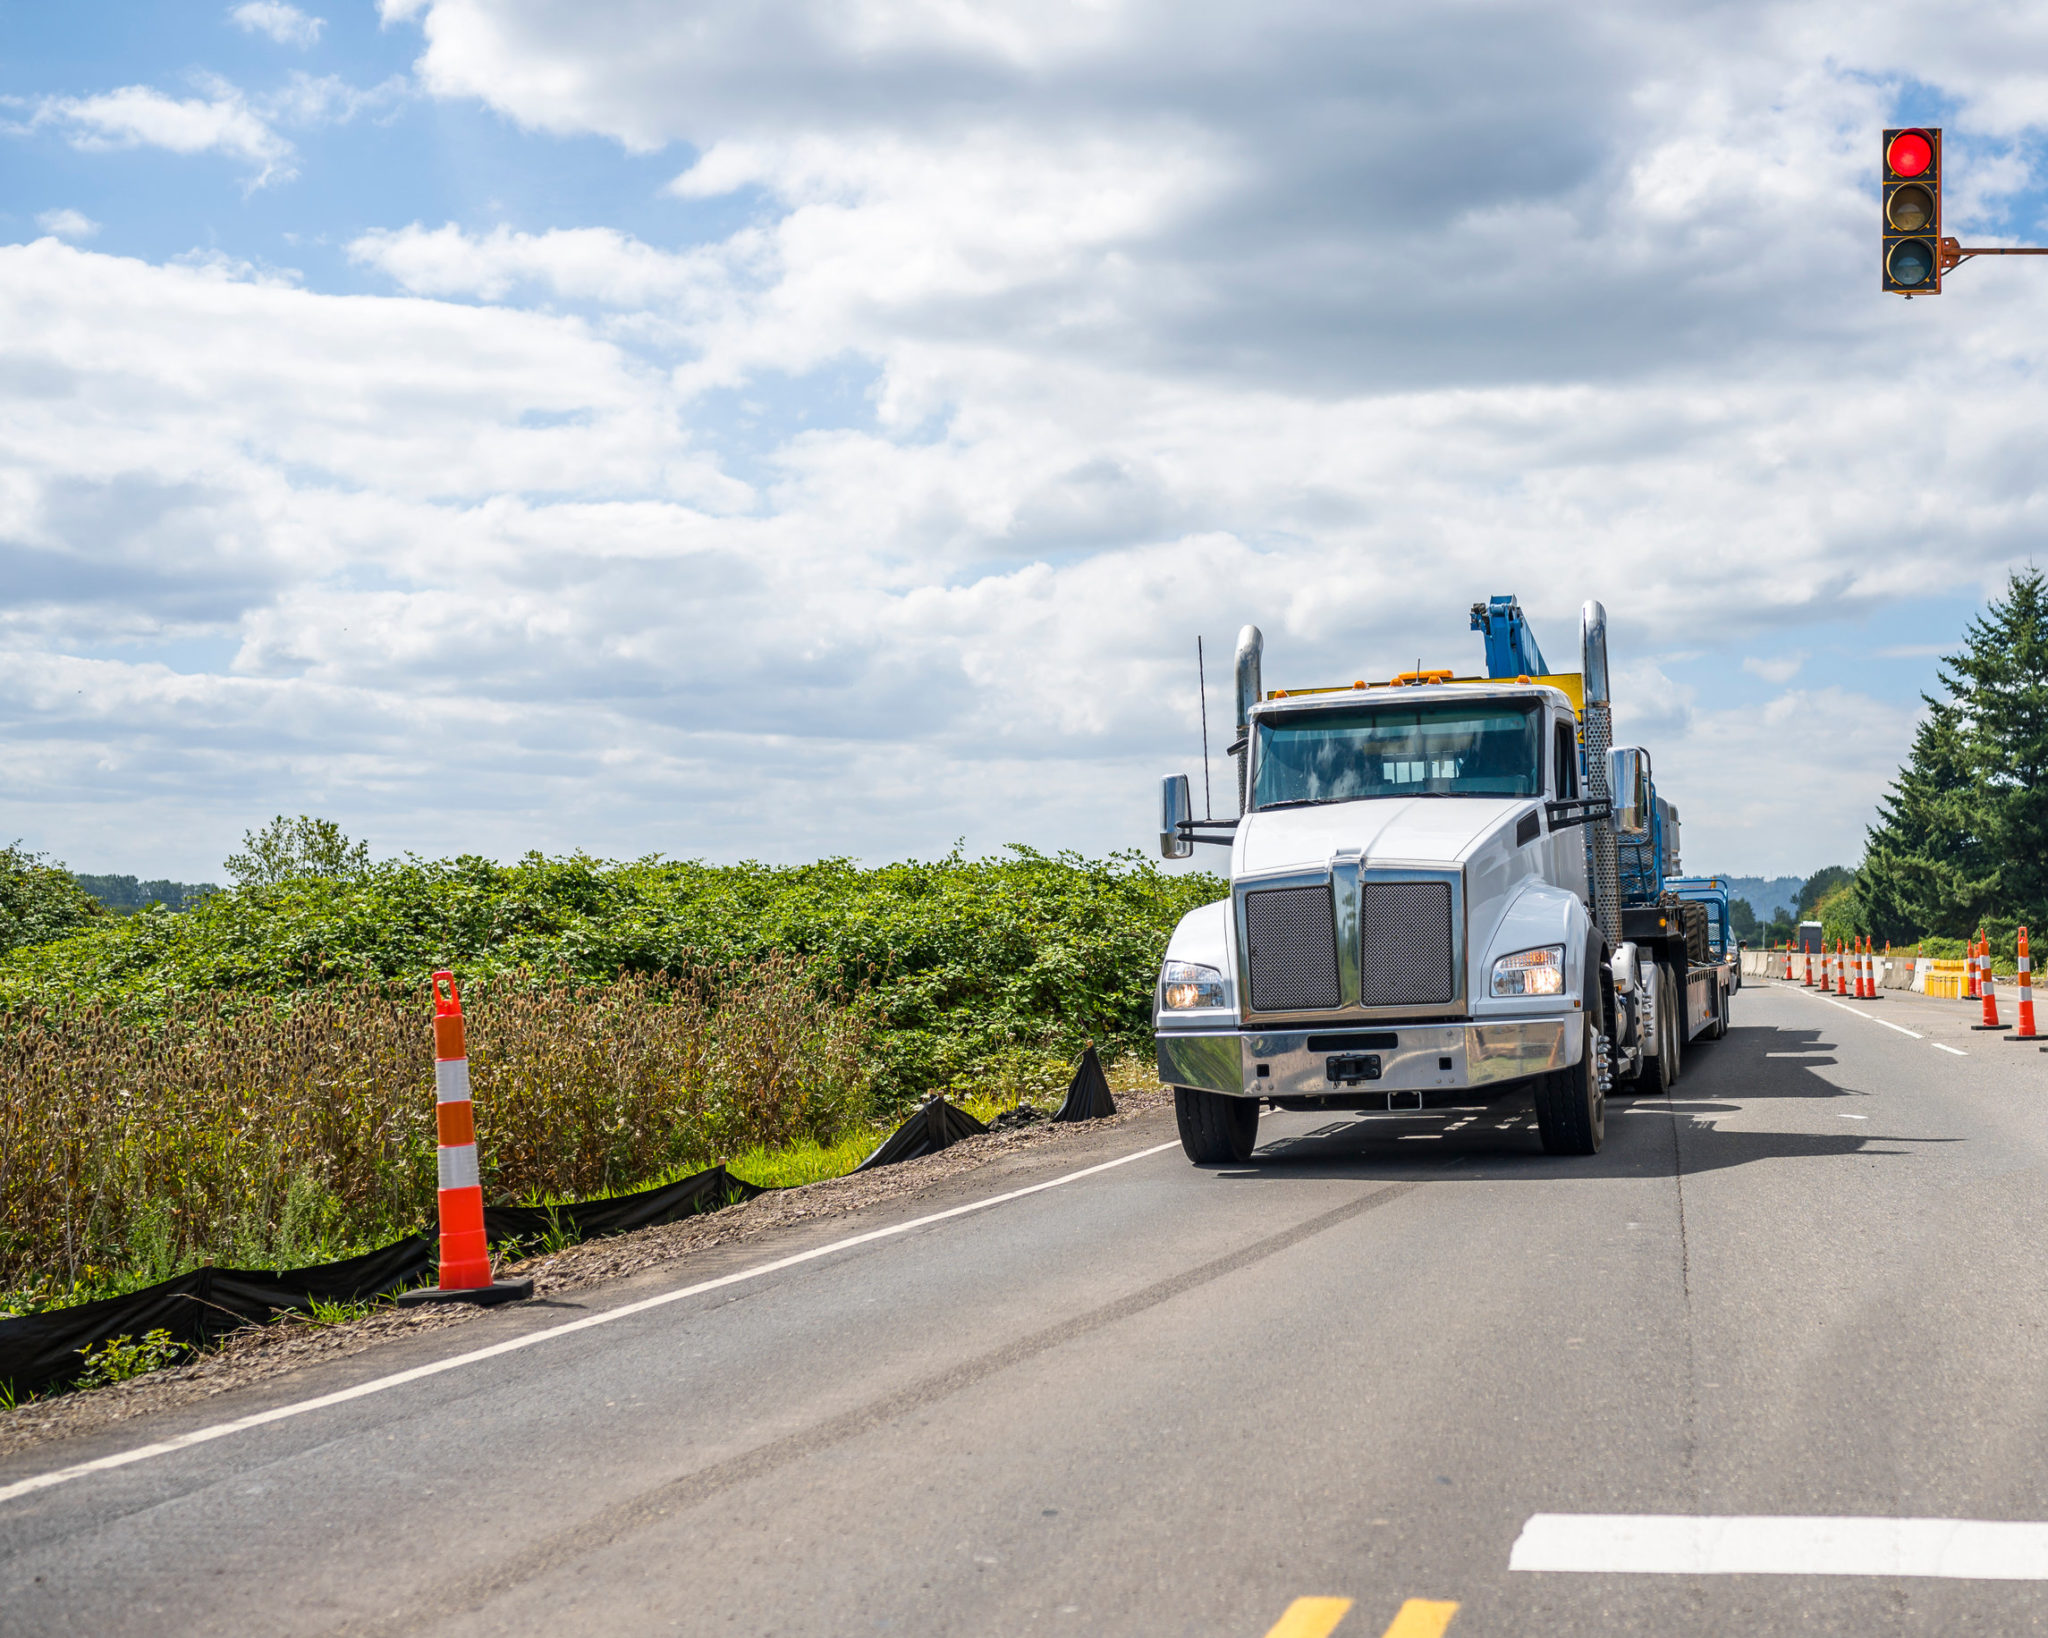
(1692, 1130)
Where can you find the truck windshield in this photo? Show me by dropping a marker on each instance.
(1456, 748)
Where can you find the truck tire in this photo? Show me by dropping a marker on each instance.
(1571, 1110)
(1216, 1130)
(1654, 1079)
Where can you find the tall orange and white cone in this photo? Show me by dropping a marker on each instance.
(1806, 950)
(465, 1255)
(1971, 990)
(1990, 1020)
(2026, 996)
(1841, 967)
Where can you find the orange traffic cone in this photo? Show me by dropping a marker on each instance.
(1990, 995)
(465, 1258)
(2026, 1000)
(1870, 990)
(1806, 950)
(1970, 990)
(1841, 967)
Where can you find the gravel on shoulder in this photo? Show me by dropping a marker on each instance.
(260, 1352)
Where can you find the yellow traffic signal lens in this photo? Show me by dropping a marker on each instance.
(1911, 262)
(1910, 209)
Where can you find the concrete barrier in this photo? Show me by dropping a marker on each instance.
(1893, 972)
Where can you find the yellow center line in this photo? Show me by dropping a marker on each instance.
(1310, 1618)
(1318, 1618)
(1422, 1618)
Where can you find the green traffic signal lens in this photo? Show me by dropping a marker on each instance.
(1910, 209)
(1911, 262)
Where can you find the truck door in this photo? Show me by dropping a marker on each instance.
(1567, 848)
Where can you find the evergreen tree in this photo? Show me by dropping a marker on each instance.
(1963, 834)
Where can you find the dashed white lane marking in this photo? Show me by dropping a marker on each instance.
(1860, 1013)
(1683, 1544)
(1941, 1047)
(1843, 1114)
(362, 1390)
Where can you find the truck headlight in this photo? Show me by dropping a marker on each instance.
(1530, 972)
(1187, 984)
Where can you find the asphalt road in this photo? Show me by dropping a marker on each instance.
(1160, 1400)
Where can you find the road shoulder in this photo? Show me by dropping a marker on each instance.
(265, 1365)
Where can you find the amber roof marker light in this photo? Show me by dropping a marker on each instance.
(1913, 255)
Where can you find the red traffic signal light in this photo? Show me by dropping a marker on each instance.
(1909, 153)
(1910, 228)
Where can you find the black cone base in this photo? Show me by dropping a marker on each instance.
(1991, 1026)
(1088, 1095)
(480, 1296)
(938, 1125)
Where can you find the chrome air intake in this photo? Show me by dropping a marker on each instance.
(1291, 949)
(1406, 945)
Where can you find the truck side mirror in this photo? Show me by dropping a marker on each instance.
(1628, 785)
(1175, 809)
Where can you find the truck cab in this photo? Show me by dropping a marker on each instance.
(1414, 922)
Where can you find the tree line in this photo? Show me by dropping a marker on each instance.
(1961, 840)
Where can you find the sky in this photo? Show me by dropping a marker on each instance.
(783, 429)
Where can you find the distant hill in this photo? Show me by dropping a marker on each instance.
(124, 895)
(1767, 895)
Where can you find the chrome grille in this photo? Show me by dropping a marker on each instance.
(1291, 938)
(1406, 944)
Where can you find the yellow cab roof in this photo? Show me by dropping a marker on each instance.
(1570, 684)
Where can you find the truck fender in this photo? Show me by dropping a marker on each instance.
(1628, 1002)
(1541, 914)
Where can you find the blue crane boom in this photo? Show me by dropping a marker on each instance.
(1511, 649)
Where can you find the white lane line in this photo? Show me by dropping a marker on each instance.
(1682, 1544)
(1939, 1047)
(398, 1379)
(1860, 1013)
(1843, 1115)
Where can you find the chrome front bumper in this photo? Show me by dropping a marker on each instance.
(1412, 1057)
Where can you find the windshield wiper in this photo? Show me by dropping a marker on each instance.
(1303, 802)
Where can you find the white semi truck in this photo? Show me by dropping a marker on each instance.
(1444, 892)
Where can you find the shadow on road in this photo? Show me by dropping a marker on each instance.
(1646, 1136)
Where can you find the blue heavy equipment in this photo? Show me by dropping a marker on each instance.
(1682, 920)
(1511, 649)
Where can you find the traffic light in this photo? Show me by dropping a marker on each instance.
(1912, 211)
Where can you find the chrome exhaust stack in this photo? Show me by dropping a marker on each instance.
(1251, 648)
(1603, 874)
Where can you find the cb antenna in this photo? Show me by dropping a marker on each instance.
(1202, 681)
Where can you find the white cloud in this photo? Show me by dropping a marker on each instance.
(138, 116)
(1033, 340)
(287, 25)
(1778, 669)
(67, 224)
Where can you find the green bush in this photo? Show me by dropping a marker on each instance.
(40, 901)
(982, 974)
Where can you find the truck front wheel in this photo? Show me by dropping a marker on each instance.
(1215, 1130)
(1571, 1109)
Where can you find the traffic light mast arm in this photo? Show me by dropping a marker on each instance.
(1954, 252)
